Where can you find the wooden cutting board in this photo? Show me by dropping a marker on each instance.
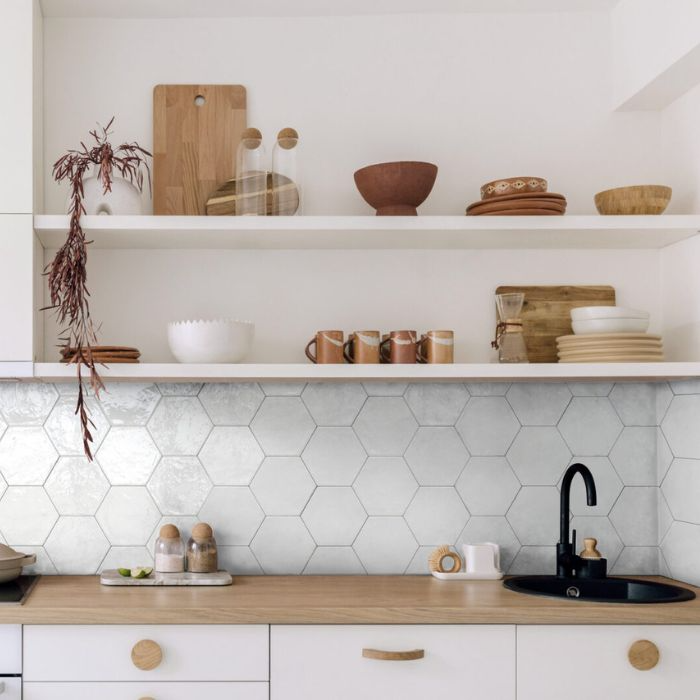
(546, 314)
(196, 131)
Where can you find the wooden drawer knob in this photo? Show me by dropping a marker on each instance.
(380, 655)
(146, 655)
(643, 655)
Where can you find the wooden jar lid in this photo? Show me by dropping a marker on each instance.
(287, 138)
(202, 531)
(169, 532)
(251, 135)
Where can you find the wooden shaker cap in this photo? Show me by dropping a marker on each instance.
(251, 134)
(169, 532)
(288, 138)
(590, 551)
(644, 655)
(202, 531)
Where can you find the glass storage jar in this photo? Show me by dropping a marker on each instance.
(286, 174)
(251, 175)
(170, 551)
(202, 557)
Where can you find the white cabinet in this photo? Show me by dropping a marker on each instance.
(10, 649)
(156, 691)
(11, 689)
(581, 662)
(315, 662)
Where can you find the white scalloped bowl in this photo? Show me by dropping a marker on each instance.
(220, 341)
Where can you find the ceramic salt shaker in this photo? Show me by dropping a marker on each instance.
(202, 557)
(170, 551)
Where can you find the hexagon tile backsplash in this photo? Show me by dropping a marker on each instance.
(352, 478)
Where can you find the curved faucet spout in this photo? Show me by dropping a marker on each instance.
(591, 496)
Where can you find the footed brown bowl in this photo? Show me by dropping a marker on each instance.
(396, 189)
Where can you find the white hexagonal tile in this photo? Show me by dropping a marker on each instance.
(608, 487)
(385, 545)
(334, 404)
(681, 539)
(635, 516)
(179, 425)
(436, 456)
(334, 561)
(283, 545)
(63, 426)
(487, 388)
(334, 516)
(239, 561)
(125, 403)
(681, 488)
(26, 456)
(680, 426)
(282, 485)
(385, 486)
(436, 515)
(590, 426)
(26, 403)
(128, 515)
(77, 545)
(43, 564)
(590, 388)
(76, 486)
(385, 388)
(128, 456)
(126, 558)
(664, 456)
(538, 404)
(488, 426)
(180, 388)
(231, 456)
(437, 404)
(686, 386)
(539, 456)
(385, 426)
(492, 529)
(419, 565)
(283, 426)
(533, 561)
(488, 486)
(26, 515)
(534, 515)
(635, 456)
(640, 404)
(179, 485)
(334, 456)
(599, 527)
(234, 514)
(231, 404)
(634, 561)
(283, 388)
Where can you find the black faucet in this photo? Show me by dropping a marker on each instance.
(567, 559)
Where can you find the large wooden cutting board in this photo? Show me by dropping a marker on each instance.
(196, 131)
(546, 314)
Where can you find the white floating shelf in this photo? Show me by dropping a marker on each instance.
(651, 371)
(374, 233)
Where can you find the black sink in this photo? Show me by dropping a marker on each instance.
(605, 590)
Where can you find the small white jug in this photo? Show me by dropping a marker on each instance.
(483, 558)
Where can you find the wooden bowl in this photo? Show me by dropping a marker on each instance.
(638, 199)
(513, 185)
(396, 189)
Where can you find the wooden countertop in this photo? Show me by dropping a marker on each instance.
(324, 599)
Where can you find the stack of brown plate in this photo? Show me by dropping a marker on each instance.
(610, 347)
(104, 354)
(518, 196)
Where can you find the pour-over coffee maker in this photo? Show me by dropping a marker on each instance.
(509, 339)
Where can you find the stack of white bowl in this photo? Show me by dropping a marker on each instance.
(610, 334)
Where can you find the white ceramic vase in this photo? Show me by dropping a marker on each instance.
(123, 200)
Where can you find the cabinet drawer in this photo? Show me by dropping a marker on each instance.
(104, 653)
(592, 661)
(10, 649)
(319, 662)
(136, 691)
(11, 688)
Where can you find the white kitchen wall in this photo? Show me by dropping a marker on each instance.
(348, 478)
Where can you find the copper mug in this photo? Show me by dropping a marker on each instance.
(399, 348)
(362, 348)
(436, 348)
(329, 348)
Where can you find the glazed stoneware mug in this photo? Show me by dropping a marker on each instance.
(329, 348)
(362, 348)
(399, 348)
(436, 348)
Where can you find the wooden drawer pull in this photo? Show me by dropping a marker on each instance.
(379, 655)
(644, 655)
(146, 655)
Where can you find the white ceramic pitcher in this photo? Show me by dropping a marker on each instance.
(482, 558)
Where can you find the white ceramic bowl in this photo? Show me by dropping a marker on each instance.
(210, 342)
(585, 313)
(611, 325)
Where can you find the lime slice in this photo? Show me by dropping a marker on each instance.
(141, 572)
(124, 572)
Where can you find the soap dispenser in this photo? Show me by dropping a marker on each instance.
(593, 564)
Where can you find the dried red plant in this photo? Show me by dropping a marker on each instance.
(67, 272)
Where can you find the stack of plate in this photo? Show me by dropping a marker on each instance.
(104, 354)
(610, 347)
(518, 196)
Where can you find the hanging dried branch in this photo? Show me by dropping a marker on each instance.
(67, 273)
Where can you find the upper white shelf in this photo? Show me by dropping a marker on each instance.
(374, 233)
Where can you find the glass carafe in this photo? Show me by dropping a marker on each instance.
(509, 332)
(286, 174)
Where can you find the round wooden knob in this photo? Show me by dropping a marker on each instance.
(644, 655)
(146, 655)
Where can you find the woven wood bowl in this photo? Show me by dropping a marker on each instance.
(635, 200)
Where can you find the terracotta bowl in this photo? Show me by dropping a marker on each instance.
(396, 189)
(513, 185)
(638, 199)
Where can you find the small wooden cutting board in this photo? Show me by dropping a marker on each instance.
(547, 314)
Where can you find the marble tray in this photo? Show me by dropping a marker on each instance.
(111, 577)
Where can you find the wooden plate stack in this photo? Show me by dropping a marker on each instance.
(104, 354)
(610, 347)
(518, 196)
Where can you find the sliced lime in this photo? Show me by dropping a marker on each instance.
(124, 572)
(141, 572)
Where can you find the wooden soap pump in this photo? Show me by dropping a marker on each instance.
(593, 565)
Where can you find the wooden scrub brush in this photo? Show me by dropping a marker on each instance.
(443, 554)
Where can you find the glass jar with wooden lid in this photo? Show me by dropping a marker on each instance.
(202, 557)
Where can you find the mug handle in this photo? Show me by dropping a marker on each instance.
(384, 358)
(420, 357)
(347, 350)
(307, 350)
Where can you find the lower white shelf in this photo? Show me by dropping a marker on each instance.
(173, 372)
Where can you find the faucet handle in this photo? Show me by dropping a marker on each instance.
(573, 540)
